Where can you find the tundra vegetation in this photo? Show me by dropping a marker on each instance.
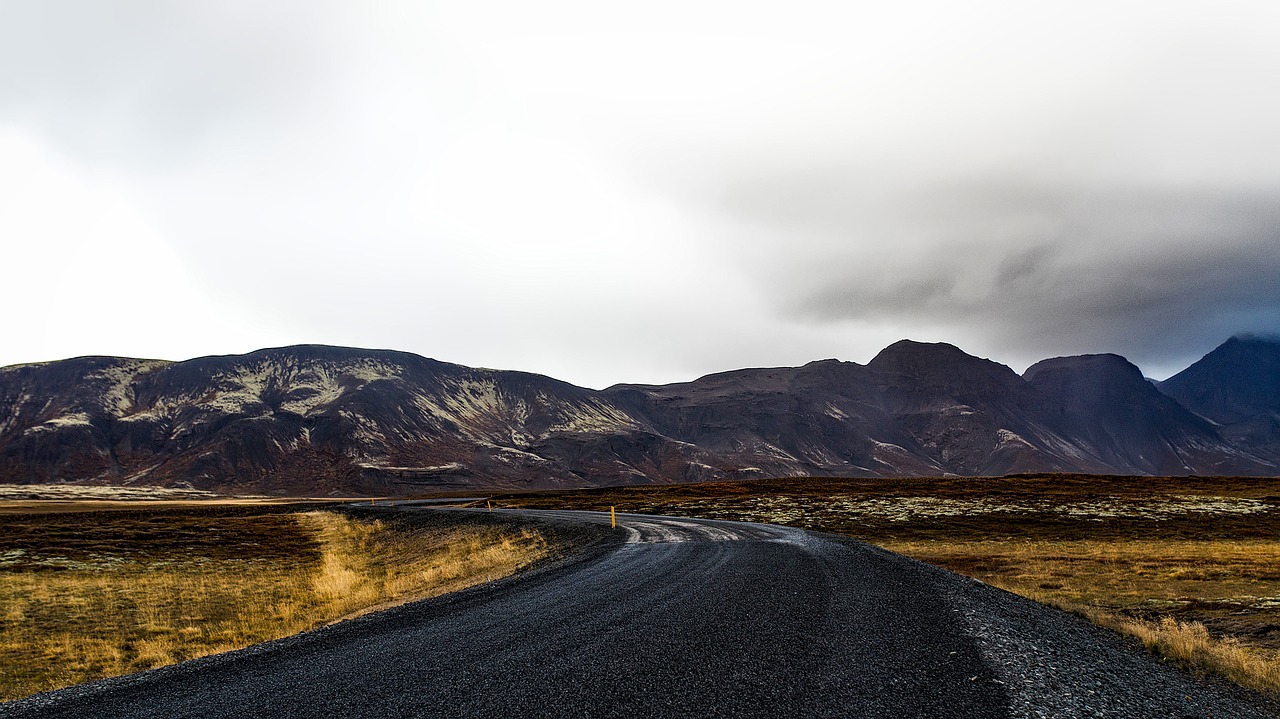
(91, 594)
(1190, 566)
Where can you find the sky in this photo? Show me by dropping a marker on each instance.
(639, 192)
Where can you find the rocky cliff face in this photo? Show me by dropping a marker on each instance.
(317, 420)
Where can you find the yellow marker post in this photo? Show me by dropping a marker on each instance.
(613, 517)
(371, 500)
(488, 504)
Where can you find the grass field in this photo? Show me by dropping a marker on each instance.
(1190, 566)
(85, 595)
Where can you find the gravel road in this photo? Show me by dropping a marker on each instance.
(682, 617)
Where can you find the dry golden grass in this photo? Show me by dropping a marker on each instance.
(1157, 576)
(1190, 645)
(1162, 592)
(365, 566)
(134, 606)
(45, 506)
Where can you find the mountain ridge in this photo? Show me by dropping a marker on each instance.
(321, 419)
(1237, 388)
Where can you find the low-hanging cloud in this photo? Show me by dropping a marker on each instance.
(1153, 277)
(1025, 271)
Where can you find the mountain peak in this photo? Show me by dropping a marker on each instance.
(944, 367)
(1241, 353)
(911, 352)
(1239, 379)
(1253, 338)
(911, 357)
(1095, 364)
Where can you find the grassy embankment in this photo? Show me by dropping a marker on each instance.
(90, 595)
(1190, 566)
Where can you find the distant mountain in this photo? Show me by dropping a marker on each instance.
(1114, 415)
(316, 420)
(312, 420)
(1237, 386)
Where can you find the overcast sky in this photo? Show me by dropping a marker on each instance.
(610, 191)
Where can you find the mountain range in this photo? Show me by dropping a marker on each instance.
(320, 420)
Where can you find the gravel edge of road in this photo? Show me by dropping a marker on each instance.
(1032, 672)
(574, 543)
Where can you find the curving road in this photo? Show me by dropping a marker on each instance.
(683, 617)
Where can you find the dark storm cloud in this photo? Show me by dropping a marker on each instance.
(1157, 274)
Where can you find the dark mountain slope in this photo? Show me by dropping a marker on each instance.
(1237, 386)
(824, 417)
(330, 420)
(1108, 408)
(922, 408)
(915, 409)
(972, 415)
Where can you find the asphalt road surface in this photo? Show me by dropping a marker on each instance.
(680, 617)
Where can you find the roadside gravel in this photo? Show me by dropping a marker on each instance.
(1055, 664)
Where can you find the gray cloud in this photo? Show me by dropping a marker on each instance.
(1156, 274)
(1134, 208)
(156, 82)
